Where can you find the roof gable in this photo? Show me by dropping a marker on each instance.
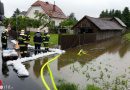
(120, 22)
(50, 9)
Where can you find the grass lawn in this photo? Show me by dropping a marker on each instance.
(127, 36)
(53, 39)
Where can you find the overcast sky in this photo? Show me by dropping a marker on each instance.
(79, 7)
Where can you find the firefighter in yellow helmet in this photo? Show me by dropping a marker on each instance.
(22, 44)
(27, 35)
(4, 39)
(46, 39)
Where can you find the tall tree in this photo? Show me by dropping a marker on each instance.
(126, 16)
(104, 14)
(118, 14)
(16, 12)
(70, 21)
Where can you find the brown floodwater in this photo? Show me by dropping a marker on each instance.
(107, 65)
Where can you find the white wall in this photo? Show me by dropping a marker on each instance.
(57, 21)
(31, 11)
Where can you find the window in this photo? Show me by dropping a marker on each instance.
(85, 30)
(36, 11)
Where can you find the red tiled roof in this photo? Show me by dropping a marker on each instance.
(50, 9)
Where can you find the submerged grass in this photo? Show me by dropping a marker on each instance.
(92, 87)
(67, 86)
(71, 86)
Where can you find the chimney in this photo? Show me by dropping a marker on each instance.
(47, 2)
(54, 7)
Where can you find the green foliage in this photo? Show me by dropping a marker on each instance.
(44, 20)
(127, 36)
(123, 15)
(70, 21)
(20, 22)
(126, 16)
(92, 87)
(67, 86)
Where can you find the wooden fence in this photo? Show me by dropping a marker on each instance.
(70, 41)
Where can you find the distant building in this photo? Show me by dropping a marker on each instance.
(23, 13)
(52, 10)
(103, 28)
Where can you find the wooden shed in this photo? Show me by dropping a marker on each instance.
(102, 28)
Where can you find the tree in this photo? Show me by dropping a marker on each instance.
(118, 14)
(111, 13)
(126, 16)
(70, 21)
(102, 14)
(16, 12)
(43, 20)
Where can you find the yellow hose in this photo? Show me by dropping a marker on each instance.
(82, 52)
(52, 78)
(41, 73)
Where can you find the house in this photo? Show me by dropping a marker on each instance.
(52, 10)
(103, 28)
(23, 13)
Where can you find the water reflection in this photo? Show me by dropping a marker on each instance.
(5, 69)
(37, 66)
(106, 64)
(124, 48)
(27, 65)
(94, 50)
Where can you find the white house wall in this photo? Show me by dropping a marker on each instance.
(31, 11)
(57, 21)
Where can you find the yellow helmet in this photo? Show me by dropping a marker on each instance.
(6, 30)
(22, 30)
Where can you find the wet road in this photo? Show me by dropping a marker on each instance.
(107, 62)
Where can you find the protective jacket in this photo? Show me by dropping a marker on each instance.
(37, 38)
(22, 40)
(4, 38)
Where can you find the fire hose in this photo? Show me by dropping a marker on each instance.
(50, 72)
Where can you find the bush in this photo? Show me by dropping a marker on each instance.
(127, 37)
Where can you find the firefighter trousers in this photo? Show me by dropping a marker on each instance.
(37, 48)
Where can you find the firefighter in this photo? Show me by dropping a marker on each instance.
(22, 44)
(46, 39)
(27, 35)
(4, 39)
(37, 41)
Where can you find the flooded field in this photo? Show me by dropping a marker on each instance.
(107, 65)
